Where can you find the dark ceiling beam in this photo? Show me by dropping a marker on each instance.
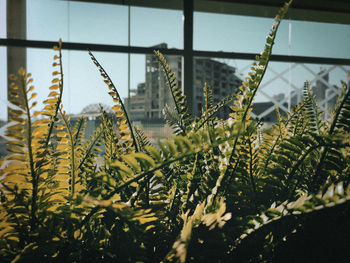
(316, 11)
(337, 6)
(167, 4)
(328, 11)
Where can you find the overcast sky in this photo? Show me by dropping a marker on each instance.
(108, 24)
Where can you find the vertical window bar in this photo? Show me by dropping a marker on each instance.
(187, 63)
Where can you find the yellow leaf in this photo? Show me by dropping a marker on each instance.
(30, 88)
(33, 96)
(53, 94)
(122, 121)
(134, 184)
(54, 87)
(77, 234)
(123, 127)
(62, 177)
(116, 107)
(41, 122)
(119, 114)
(15, 178)
(63, 185)
(61, 134)
(125, 136)
(50, 101)
(21, 72)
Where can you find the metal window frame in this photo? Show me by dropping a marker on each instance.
(188, 53)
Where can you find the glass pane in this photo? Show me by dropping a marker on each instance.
(152, 26)
(222, 76)
(234, 33)
(98, 23)
(282, 84)
(2, 18)
(150, 94)
(83, 85)
(47, 20)
(77, 22)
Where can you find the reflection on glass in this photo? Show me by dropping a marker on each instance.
(222, 78)
(151, 26)
(150, 94)
(283, 83)
(234, 33)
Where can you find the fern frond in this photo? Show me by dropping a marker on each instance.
(79, 131)
(342, 111)
(124, 124)
(88, 150)
(178, 97)
(53, 103)
(275, 135)
(339, 124)
(110, 139)
(242, 106)
(67, 144)
(134, 167)
(173, 119)
(288, 218)
(200, 216)
(208, 96)
(214, 109)
(20, 176)
(315, 123)
(141, 139)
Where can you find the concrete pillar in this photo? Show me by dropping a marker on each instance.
(16, 28)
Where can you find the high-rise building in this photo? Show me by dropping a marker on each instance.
(325, 93)
(149, 99)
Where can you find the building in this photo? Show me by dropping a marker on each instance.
(149, 99)
(325, 93)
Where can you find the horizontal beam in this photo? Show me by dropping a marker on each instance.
(86, 46)
(328, 11)
(277, 58)
(170, 51)
(316, 10)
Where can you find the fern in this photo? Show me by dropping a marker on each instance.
(124, 125)
(179, 98)
(242, 106)
(280, 222)
(339, 124)
(312, 111)
(219, 191)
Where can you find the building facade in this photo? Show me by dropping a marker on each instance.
(149, 99)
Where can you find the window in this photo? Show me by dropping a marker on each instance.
(247, 34)
(130, 33)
